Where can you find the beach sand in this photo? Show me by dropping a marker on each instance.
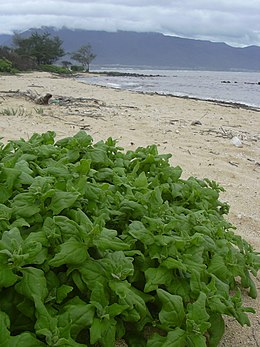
(197, 133)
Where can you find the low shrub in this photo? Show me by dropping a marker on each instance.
(55, 69)
(77, 68)
(6, 66)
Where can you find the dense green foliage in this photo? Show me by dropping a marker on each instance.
(98, 244)
(41, 51)
(55, 69)
(77, 68)
(19, 63)
(5, 65)
(43, 48)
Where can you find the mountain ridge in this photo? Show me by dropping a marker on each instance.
(154, 50)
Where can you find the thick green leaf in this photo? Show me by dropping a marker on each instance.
(194, 340)
(32, 284)
(141, 181)
(175, 338)
(171, 263)
(156, 277)
(139, 232)
(218, 267)
(77, 316)
(172, 313)
(99, 297)
(61, 200)
(5, 212)
(103, 330)
(198, 317)
(24, 340)
(117, 265)
(71, 252)
(8, 178)
(4, 329)
(137, 309)
(216, 330)
(62, 292)
(25, 205)
(91, 272)
(7, 277)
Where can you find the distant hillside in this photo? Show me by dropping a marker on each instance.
(4, 39)
(155, 50)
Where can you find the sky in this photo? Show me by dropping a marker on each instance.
(236, 22)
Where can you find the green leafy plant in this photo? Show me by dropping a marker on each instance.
(98, 244)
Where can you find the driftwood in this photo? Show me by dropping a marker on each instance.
(31, 95)
(43, 100)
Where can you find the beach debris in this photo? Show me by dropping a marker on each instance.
(233, 163)
(214, 152)
(80, 126)
(79, 102)
(43, 100)
(236, 137)
(60, 100)
(85, 127)
(173, 121)
(55, 101)
(253, 161)
(236, 141)
(32, 95)
(35, 86)
(196, 122)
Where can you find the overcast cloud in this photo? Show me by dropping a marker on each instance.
(236, 22)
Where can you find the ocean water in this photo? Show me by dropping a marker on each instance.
(232, 87)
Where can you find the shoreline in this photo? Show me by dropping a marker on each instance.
(115, 74)
(196, 132)
(215, 101)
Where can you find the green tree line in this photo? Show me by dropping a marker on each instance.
(41, 51)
